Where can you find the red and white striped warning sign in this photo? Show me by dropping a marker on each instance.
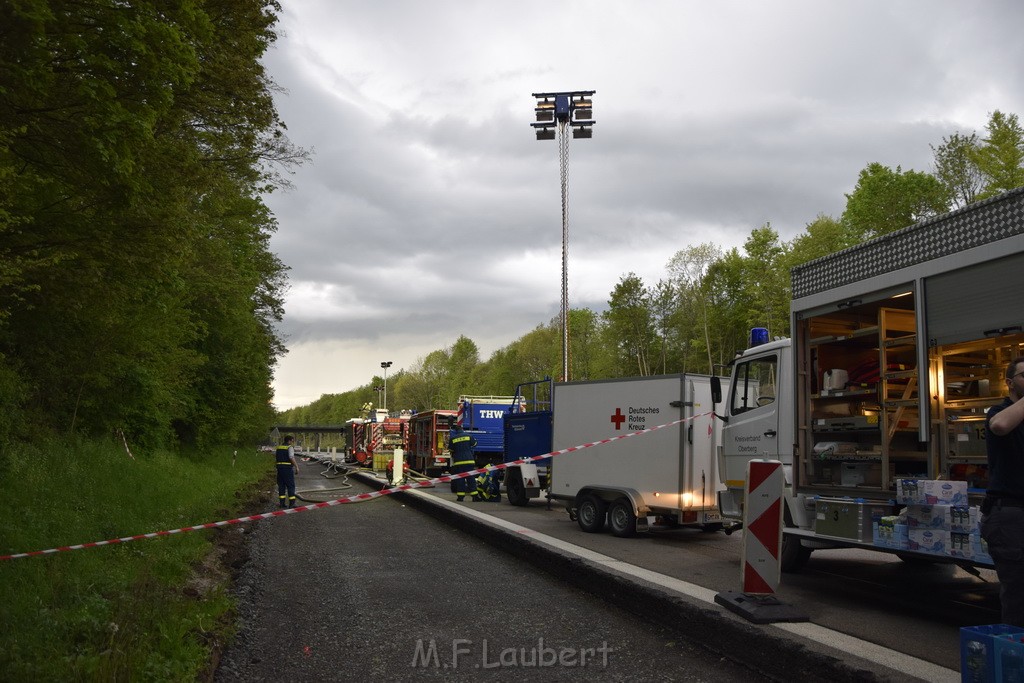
(348, 499)
(762, 520)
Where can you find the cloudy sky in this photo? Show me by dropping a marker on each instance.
(429, 210)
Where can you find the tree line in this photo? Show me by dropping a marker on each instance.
(139, 292)
(697, 316)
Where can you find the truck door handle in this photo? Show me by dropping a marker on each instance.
(770, 433)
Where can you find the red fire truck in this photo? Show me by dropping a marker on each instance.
(427, 446)
(377, 434)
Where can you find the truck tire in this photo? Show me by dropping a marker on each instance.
(514, 488)
(621, 518)
(591, 513)
(794, 554)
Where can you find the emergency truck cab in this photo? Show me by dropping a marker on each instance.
(898, 350)
(759, 411)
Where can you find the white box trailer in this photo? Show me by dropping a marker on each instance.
(668, 476)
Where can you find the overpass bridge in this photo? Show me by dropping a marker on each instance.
(317, 431)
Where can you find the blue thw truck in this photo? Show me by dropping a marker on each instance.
(528, 433)
(483, 417)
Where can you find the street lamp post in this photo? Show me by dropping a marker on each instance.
(378, 389)
(385, 364)
(557, 111)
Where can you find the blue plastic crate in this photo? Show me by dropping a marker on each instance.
(1009, 656)
(984, 650)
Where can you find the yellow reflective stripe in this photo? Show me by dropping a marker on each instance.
(465, 462)
(286, 462)
(460, 439)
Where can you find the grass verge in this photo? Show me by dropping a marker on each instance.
(154, 610)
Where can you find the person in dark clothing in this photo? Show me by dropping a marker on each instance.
(287, 468)
(1002, 520)
(463, 460)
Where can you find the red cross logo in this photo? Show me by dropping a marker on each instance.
(618, 418)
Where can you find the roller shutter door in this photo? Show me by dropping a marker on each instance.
(974, 303)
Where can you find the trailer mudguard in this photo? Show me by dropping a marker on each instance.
(531, 478)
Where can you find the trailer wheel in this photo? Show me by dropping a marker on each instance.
(622, 519)
(794, 554)
(514, 489)
(590, 514)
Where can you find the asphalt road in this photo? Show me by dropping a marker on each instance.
(915, 608)
(911, 608)
(370, 582)
(378, 591)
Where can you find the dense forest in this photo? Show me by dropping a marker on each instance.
(139, 293)
(699, 314)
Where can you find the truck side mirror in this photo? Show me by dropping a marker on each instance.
(716, 396)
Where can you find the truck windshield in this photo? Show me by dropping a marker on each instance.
(754, 384)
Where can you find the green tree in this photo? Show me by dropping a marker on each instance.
(1000, 157)
(588, 356)
(664, 303)
(502, 372)
(956, 168)
(629, 327)
(426, 384)
(725, 287)
(135, 143)
(688, 269)
(463, 359)
(822, 236)
(885, 200)
(538, 353)
(766, 281)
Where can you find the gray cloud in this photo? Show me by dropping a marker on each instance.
(429, 209)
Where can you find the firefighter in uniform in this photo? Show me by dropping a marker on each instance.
(287, 468)
(463, 460)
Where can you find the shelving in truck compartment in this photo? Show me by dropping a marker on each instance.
(839, 326)
(971, 381)
(898, 389)
(845, 366)
(845, 424)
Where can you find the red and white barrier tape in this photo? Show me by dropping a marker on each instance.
(357, 498)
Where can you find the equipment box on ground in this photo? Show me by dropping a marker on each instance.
(848, 518)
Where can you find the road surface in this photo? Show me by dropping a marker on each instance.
(378, 591)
